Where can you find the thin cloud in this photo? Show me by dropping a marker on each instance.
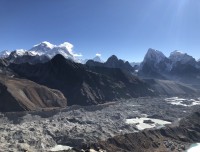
(98, 54)
(70, 47)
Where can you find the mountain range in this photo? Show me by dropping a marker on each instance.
(41, 52)
(178, 66)
(56, 69)
(82, 85)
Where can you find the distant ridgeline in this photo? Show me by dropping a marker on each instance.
(95, 82)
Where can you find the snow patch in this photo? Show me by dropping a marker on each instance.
(20, 52)
(194, 148)
(178, 56)
(179, 101)
(4, 54)
(45, 43)
(60, 148)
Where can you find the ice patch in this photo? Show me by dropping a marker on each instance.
(194, 148)
(179, 101)
(156, 123)
(60, 147)
(175, 99)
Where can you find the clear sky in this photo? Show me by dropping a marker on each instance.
(126, 28)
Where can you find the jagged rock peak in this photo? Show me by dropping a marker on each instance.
(176, 56)
(113, 58)
(19, 52)
(176, 52)
(97, 59)
(153, 54)
(58, 58)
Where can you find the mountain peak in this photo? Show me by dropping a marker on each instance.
(19, 52)
(154, 51)
(112, 58)
(97, 59)
(177, 56)
(58, 58)
(155, 55)
(4, 54)
(176, 52)
(50, 50)
(45, 44)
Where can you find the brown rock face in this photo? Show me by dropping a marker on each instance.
(21, 94)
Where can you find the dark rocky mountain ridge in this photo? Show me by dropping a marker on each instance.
(179, 67)
(86, 85)
(112, 62)
(81, 85)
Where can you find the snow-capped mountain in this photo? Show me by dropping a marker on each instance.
(17, 53)
(20, 52)
(154, 60)
(179, 65)
(183, 58)
(97, 59)
(154, 55)
(42, 48)
(38, 51)
(23, 56)
(133, 64)
(50, 50)
(5, 53)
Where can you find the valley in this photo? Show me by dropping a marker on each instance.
(77, 126)
(99, 76)
(49, 101)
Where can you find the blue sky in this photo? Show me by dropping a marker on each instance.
(126, 28)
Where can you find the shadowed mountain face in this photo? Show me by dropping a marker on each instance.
(21, 94)
(112, 62)
(154, 64)
(171, 88)
(83, 86)
(3, 63)
(179, 66)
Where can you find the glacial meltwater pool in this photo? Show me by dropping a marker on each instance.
(194, 148)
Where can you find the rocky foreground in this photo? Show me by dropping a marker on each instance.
(105, 127)
(176, 139)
